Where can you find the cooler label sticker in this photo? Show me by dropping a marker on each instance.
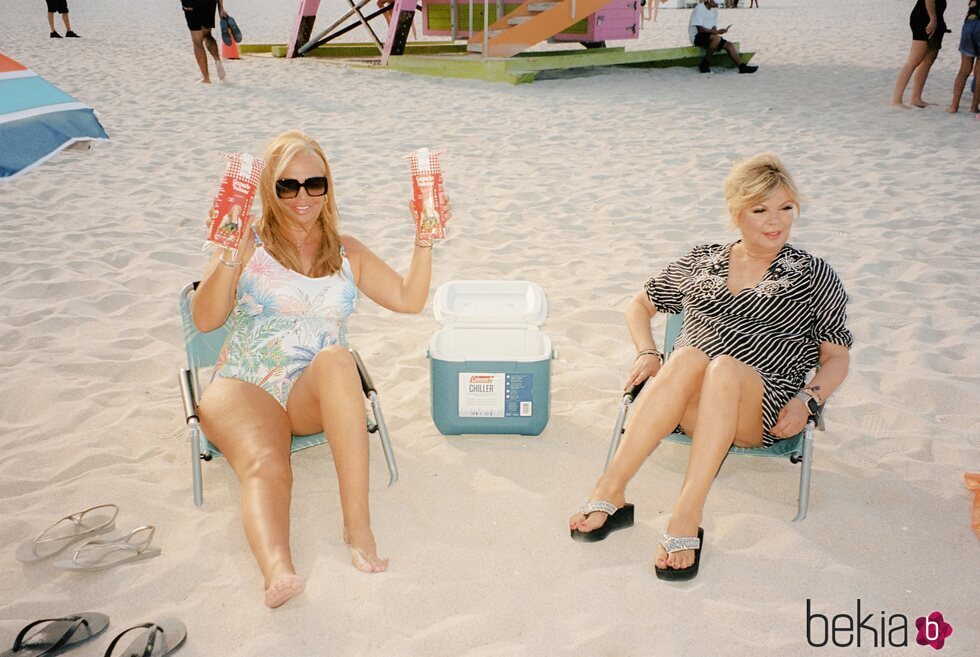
(481, 394)
(519, 389)
(495, 394)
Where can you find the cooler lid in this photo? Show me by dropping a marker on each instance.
(490, 303)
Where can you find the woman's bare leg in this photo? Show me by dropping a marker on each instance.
(959, 83)
(917, 53)
(657, 411)
(919, 80)
(328, 396)
(729, 411)
(201, 55)
(211, 45)
(252, 431)
(975, 105)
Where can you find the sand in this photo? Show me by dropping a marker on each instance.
(586, 186)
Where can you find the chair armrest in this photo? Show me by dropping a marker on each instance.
(633, 391)
(817, 417)
(366, 384)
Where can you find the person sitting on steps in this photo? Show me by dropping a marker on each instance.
(704, 33)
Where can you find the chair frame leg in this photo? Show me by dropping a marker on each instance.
(617, 433)
(194, 431)
(189, 398)
(385, 440)
(805, 465)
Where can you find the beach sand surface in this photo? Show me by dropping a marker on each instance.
(586, 186)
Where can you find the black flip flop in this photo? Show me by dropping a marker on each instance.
(620, 518)
(681, 574)
(229, 30)
(155, 639)
(59, 635)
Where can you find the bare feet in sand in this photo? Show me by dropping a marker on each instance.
(221, 69)
(921, 104)
(902, 105)
(364, 551)
(284, 589)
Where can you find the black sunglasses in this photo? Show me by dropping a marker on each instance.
(289, 187)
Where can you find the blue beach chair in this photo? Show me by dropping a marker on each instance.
(202, 351)
(798, 449)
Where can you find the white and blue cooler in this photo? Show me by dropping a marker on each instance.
(490, 364)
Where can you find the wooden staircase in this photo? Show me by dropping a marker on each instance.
(530, 24)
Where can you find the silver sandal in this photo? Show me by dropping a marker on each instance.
(100, 555)
(619, 518)
(85, 524)
(677, 544)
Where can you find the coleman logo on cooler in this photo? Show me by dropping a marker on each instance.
(481, 383)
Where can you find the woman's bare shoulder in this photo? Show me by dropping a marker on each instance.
(353, 245)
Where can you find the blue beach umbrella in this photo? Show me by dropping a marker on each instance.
(37, 119)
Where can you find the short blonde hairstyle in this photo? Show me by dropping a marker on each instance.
(272, 224)
(755, 179)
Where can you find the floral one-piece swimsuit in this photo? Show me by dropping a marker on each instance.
(281, 320)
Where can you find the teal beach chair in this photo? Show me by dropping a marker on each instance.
(202, 352)
(798, 449)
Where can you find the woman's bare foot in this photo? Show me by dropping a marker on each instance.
(221, 69)
(364, 551)
(921, 104)
(597, 519)
(898, 103)
(683, 522)
(205, 81)
(284, 589)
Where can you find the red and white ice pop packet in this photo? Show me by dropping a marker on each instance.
(429, 202)
(231, 204)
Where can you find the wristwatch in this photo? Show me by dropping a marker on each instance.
(811, 402)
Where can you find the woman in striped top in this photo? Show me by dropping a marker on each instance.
(760, 314)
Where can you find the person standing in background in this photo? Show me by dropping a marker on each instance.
(969, 58)
(60, 7)
(928, 28)
(199, 15)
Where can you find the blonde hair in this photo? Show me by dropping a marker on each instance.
(755, 179)
(272, 223)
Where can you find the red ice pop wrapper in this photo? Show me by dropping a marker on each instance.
(230, 207)
(429, 207)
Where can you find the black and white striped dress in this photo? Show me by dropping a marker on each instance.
(775, 327)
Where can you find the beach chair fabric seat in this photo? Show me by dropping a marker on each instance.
(798, 449)
(202, 352)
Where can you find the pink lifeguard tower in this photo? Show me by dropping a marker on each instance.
(488, 39)
(503, 29)
(522, 25)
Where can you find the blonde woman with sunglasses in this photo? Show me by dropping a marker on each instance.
(284, 369)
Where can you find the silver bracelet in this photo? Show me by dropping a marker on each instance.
(232, 264)
(651, 352)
